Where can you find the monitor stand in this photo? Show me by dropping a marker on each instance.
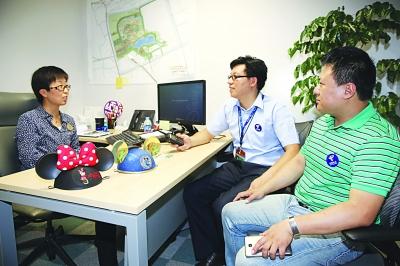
(189, 128)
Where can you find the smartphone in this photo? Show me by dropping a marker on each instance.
(175, 140)
(250, 242)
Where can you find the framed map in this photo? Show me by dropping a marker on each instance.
(141, 41)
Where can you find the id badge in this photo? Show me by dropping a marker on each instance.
(240, 154)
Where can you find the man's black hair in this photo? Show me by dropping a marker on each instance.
(43, 77)
(254, 68)
(351, 64)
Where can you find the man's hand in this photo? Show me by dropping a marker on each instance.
(257, 183)
(277, 237)
(250, 194)
(244, 194)
(201, 137)
(186, 140)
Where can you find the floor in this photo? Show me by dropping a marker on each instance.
(179, 252)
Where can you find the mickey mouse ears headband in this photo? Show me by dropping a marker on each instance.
(75, 171)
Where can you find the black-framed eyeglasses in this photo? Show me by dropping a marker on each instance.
(62, 88)
(235, 77)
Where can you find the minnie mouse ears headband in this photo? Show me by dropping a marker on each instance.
(75, 171)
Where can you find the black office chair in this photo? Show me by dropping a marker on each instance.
(379, 241)
(303, 129)
(12, 105)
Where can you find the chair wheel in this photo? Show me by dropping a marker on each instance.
(51, 253)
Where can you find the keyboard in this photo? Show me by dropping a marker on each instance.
(130, 138)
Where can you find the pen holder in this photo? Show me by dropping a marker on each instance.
(112, 122)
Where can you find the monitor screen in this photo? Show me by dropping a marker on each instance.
(183, 102)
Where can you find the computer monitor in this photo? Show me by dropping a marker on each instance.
(183, 103)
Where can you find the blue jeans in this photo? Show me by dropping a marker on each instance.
(239, 218)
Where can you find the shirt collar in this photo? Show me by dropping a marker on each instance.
(42, 112)
(357, 121)
(258, 102)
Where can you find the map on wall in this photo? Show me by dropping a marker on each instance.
(142, 41)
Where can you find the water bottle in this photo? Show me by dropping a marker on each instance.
(105, 127)
(147, 125)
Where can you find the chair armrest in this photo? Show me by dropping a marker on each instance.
(373, 233)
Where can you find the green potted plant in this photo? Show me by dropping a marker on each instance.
(371, 25)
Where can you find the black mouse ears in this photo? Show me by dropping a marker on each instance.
(46, 167)
(65, 159)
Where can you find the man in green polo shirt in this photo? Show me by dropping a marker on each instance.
(344, 170)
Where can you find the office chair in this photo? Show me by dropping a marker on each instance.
(12, 105)
(303, 129)
(378, 240)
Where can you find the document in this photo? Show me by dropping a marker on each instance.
(94, 134)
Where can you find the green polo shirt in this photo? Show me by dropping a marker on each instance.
(363, 153)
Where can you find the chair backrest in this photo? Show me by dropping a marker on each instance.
(303, 129)
(12, 105)
(390, 213)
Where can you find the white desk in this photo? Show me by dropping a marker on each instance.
(149, 204)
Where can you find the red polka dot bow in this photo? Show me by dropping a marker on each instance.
(68, 159)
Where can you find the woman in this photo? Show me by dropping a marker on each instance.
(41, 130)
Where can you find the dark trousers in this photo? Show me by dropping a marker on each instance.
(106, 243)
(205, 197)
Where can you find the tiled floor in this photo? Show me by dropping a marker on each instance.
(179, 252)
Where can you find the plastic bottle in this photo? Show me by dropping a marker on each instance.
(105, 127)
(147, 125)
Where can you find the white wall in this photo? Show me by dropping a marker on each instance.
(37, 33)
(43, 32)
(262, 28)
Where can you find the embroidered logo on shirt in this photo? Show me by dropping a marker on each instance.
(70, 127)
(257, 127)
(332, 160)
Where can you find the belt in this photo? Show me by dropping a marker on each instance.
(303, 205)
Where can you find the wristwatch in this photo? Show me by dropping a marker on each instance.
(293, 226)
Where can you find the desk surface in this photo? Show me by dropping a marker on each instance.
(129, 193)
(103, 140)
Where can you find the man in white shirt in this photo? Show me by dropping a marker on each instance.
(264, 139)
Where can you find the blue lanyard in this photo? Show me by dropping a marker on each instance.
(243, 128)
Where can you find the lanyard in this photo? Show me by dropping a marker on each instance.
(243, 128)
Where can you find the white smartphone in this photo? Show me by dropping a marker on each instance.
(250, 242)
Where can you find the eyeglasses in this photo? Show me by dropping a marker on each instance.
(235, 77)
(62, 88)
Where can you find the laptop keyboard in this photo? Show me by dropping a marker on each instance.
(130, 138)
